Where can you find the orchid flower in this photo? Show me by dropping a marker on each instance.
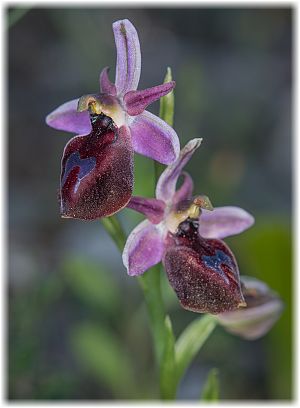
(263, 310)
(186, 234)
(97, 164)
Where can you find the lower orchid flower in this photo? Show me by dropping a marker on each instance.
(186, 233)
(97, 165)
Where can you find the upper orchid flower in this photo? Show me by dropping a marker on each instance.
(185, 233)
(97, 165)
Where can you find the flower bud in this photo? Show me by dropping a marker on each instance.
(263, 309)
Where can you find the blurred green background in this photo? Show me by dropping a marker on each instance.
(77, 325)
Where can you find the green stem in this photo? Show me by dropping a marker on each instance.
(115, 230)
(150, 284)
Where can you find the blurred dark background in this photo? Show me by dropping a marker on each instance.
(77, 324)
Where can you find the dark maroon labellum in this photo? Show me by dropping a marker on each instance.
(203, 272)
(97, 171)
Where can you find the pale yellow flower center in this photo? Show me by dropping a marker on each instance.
(106, 104)
(190, 210)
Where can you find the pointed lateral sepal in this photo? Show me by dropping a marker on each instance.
(224, 221)
(66, 117)
(154, 138)
(137, 101)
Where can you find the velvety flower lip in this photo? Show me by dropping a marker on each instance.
(97, 172)
(203, 272)
(184, 233)
(150, 135)
(263, 309)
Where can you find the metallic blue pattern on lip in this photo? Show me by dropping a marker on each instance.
(85, 167)
(214, 262)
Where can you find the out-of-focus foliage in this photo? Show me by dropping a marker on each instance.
(95, 287)
(210, 390)
(104, 355)
(266, 251)
(74, 315)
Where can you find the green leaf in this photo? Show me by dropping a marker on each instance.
(210, 390)
(91, 284)
(191, 340)
(105, 357)
(166, 111)
(167, 367)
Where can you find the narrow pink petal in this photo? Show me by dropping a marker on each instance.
(105, 85)
(143, 248)
(137, 101)
(166, 185)
(186, 189)
(152, 208)
(128, 67)
(66, 118)
(223, 222)
(154, 138)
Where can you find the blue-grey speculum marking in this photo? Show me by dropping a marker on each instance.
(215, 261)
(85, 167)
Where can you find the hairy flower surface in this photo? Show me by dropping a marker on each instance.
(185, 234)
(97, 164)
(263, 309)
